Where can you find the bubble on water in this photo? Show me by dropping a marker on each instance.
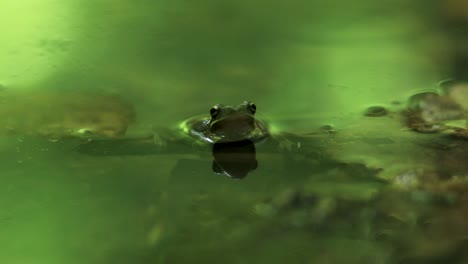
(329, 128)
(376, 111)
(446, 85)
(416, 100)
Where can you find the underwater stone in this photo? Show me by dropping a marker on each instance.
(265, 210)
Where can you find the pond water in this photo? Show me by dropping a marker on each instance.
(93, 173)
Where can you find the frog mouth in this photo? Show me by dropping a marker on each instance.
(235, 126)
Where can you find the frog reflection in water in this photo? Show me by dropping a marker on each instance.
(227, 124)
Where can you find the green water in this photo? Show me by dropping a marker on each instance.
(373, 192)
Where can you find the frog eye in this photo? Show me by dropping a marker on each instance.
(252, 108)
(214, 111)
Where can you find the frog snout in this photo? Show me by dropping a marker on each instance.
(233, 124)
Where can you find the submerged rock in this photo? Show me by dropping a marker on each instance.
(431, 112)
(57, 115)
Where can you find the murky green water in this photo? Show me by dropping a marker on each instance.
(365, 190)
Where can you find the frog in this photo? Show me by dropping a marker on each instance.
(227, 123)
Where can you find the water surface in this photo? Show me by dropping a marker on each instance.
(370, 191)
